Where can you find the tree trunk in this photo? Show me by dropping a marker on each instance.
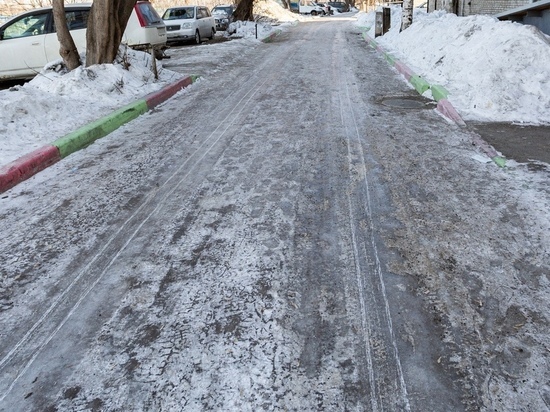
(67, 48)
(244, 11)
(407, 18)
(106, 25)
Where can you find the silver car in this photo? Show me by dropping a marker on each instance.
(189, 24)
(223, 15)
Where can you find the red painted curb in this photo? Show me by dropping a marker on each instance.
(158, 97)
(483, 145)
(447, 109)
(404, 70)
(27, 166)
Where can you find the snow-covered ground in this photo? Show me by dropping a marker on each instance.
(471, 240)
(494, 71)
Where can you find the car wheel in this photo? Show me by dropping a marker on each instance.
(313, 13)
(197, 37)
(212, 34)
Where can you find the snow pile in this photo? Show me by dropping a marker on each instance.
(268, 14)
(250, 29)
(55, 102)
(494, 70)
(273, 11)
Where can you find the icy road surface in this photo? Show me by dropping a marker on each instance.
(279, 236)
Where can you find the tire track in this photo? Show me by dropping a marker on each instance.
(59, 312)
(368, 270)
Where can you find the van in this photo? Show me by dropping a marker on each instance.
(189, 24)
(28, 41)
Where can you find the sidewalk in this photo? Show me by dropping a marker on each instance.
(524, 144)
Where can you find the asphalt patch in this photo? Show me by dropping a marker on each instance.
(524, 144)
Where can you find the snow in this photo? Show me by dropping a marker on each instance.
(54, 104)
(494, 70)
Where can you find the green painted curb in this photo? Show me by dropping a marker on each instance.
(88, 134)
(500, 161)
(439, 92)
(419, 84)
(389, 58)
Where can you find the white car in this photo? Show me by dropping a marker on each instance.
(189, 24)
(311, 8)
(28, 41)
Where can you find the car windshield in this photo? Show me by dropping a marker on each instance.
(179, 13)
(221, 10)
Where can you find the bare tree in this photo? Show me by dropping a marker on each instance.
(244, 10)
(407, 18)
(106, 24)
(67, 48)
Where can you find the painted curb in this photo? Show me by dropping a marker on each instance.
(158, 97)
(404, 70)
(440, 94)
(391, 60)
(30, 164)
(447, 109)
(419, 84)
(88, 134)
(27, 166)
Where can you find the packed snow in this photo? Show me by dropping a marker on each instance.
(494, 71)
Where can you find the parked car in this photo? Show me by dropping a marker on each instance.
(189, 23)
(311, 8)
(28, 41)
(325, 7)
(223, 14)
(339, 5)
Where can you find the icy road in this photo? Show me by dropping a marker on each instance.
(297, 231)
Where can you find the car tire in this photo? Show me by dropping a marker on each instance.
(313, 13)
(197, 37)
(212, 34)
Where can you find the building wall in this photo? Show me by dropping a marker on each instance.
(469, 7)
(542, 22)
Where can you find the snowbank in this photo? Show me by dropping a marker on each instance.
(494, 70)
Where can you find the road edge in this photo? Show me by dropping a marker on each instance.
(440, 95)
(34, 162)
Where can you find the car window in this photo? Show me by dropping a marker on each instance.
(77, 19)
(223, 10)
(26, 26)
(148, 13)
(179, 13)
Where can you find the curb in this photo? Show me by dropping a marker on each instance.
(440, 94)
(30, 164)
(269, 39)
